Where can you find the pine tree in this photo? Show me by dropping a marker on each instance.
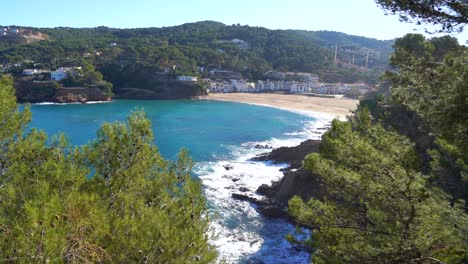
(379, 207)
(115, 200)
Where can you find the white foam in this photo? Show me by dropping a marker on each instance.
(243, 235)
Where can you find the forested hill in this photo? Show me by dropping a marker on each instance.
(208, 44)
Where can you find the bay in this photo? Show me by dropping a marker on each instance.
(216, 134)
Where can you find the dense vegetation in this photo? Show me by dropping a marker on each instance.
(122, 54)
(115, 200)
(396, 174)
(449, 15)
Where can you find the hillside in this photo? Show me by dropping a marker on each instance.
(121, 54)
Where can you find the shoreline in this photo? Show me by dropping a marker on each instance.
(326, 108)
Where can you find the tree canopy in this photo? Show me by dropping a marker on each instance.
(115, 200)
(396, 180)
(379, 207)
(121, 54)
(450, 15)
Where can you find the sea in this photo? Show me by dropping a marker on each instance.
(217, 135)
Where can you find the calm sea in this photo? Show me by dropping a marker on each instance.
(216, 134)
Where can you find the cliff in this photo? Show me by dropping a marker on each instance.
(49, 91)
(162, 89)
(296, 180)
(79, 95)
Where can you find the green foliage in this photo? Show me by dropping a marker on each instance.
(378, 207)
(30, 91)
(430, 78)
(142, 52)
(115, 200)
(450, 15)
(12, 120)
(435, 87)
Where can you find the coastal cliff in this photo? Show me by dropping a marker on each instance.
(161, 89)
(296, 181)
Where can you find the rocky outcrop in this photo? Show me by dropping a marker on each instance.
(33, 91)
(291, 155)
(296, 181)
(79, 95)
(161, 89)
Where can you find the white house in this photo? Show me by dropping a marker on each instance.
(221, 87)
(62, 73)
(30, 72)
(58, 75)
(186, 78)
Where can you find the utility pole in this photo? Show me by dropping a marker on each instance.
(336, 51)
(353, 57)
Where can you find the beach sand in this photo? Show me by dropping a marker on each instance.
(332, 107)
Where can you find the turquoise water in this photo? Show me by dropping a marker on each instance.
(204, 127)
(216, 134)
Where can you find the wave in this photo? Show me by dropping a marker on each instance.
(243, 235)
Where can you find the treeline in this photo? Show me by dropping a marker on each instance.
(395, 175)
(207, 44)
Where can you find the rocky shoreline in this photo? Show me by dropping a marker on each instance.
(296, 181)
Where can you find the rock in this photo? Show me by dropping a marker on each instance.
(291, 155)
(244, 189)
(273, 211)
(228, 167)
(264, 189)
(235, 179)
(243, 197)
(258, 146)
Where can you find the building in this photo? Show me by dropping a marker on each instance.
(30, 72)
(186, 78)
(63, 72)
(220, 86)
(240, 43)
(275, 75)
(224, 74)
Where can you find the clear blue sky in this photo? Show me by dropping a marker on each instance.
(357, 17)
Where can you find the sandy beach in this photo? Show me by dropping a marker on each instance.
(333, 107)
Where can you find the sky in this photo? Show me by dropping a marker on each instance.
(356, 17)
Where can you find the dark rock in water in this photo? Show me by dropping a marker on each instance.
(228, 167)
(296, 181)
(273, 211)
(258, 146)
(299, 182)
(291, 155)
(265, 190)
(243, 197)
(235, 179)
(244, 189)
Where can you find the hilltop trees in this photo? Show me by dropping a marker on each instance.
(121, 54)
(115, 200)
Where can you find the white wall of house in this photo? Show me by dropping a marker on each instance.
(186, 78)
(58, 75)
